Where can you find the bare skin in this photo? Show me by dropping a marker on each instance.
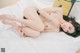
(29, 27)
(35, 23)
(49, 20)
(23, 30)
(56, 17)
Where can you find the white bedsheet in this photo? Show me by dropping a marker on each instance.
(45, 43)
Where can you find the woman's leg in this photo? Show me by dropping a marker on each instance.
(30, 23)
(23, 31)
(31, 14)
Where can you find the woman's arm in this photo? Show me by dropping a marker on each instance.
(49, 17)
(52, 9)
(56, 10)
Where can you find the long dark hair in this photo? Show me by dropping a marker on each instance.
(76, 25)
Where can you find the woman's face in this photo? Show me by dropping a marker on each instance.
(67, 27)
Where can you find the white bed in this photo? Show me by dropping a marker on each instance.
(51, 42)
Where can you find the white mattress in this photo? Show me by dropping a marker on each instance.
(52, 42)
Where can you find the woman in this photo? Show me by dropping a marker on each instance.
(28, 27)
(44, 20)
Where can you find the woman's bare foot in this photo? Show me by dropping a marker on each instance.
(27, 32)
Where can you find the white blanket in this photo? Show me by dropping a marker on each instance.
(46, 43)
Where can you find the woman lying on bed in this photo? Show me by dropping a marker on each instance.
(42, 20)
